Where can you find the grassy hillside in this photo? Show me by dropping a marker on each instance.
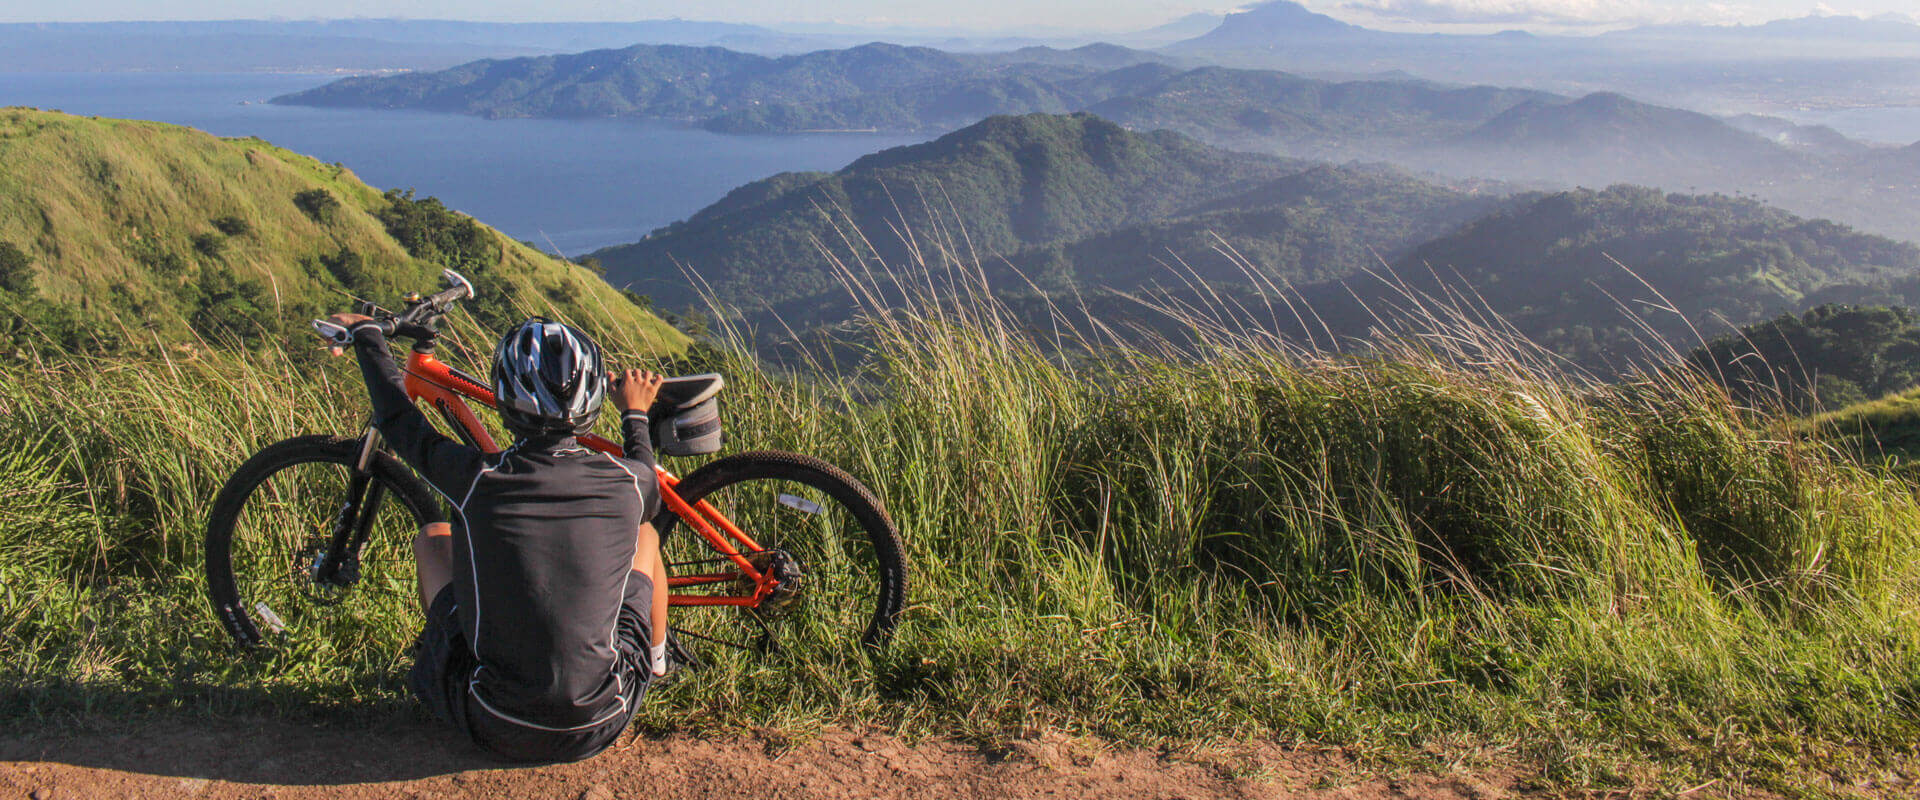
(1432, 554)
(1883, 429)
(135, 232)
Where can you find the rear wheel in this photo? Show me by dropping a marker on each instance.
(843, 575)
(305, 551)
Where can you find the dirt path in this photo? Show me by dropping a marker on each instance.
(276, 759)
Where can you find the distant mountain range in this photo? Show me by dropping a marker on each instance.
(1813, 61)
(1502, 133)
(1816, 28)
(870, 86)
(1081, 210)
(375, 45)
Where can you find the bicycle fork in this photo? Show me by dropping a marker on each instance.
(339, 564)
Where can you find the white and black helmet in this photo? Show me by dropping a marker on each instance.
(548, 378)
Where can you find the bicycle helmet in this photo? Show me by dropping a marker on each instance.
(548, 379)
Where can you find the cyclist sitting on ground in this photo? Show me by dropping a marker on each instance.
(545, 597)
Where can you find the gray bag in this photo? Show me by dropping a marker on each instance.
(689, 431)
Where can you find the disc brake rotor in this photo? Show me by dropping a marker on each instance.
(309, 565)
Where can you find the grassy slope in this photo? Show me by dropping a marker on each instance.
(1628, 586)
(92, 201)
(1888, 427)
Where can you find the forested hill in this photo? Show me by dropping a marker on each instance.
(1593, 274)
(1077, 207)
(917, 88)
(1073, 200)
(1825, 358)
(735, 90)
(1608, 281)
(116, 234)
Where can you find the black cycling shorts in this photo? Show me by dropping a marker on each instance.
(443, 662)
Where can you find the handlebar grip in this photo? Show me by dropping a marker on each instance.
(458, 287)
(336, 335)
(341, 336)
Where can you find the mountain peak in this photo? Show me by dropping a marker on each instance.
(1288, 13)
(1606, 101)
(1009, 130)
(1261, 25)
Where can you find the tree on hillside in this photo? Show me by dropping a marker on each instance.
(317, 204)
(16, 269)
(432, 232)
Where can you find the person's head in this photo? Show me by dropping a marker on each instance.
(548, 379)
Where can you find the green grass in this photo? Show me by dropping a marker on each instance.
(1433, 550)
(1888, 427)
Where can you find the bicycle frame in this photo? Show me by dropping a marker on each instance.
(446, 390)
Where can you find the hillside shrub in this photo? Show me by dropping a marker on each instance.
(153, 254)
(432, 232)
(232, 226)
(318, 204)
(346, 266)
(16, 269)
(210, 245)
(230, 309)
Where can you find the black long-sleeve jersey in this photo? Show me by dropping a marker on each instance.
(543, 545)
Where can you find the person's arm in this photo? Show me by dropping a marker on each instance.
(449, 465)
(633, 393)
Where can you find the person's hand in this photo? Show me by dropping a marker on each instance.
(634, 389)
(345, 320)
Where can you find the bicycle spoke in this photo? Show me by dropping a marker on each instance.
(287, 527)
(802, 526)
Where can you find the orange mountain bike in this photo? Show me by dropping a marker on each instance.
(309, 543)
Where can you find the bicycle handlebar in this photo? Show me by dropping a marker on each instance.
(416, 320)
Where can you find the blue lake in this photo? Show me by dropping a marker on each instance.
(579, 184)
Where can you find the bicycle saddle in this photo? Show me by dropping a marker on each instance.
(685, 392)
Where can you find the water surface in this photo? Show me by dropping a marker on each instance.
(574, 185)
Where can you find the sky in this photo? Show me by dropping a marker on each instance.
(1061, 15)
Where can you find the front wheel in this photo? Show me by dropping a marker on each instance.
(303, 546)
(838, 555)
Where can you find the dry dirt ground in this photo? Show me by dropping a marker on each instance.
(278, 759)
